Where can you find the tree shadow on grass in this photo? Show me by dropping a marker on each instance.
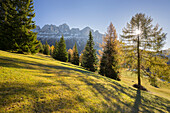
(108, 95)
(33, 57)
(96, 88)
(121, 104)
(14, 62)
(13, 95)
(137, 103)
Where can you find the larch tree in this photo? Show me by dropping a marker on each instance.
(142, 41)
(51, 50)
(62, 51)
(81, 57)
(109, 64)
(75, 57)
(70, 55)
(16, 26)
(89, 58)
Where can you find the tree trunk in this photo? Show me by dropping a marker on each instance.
(139, 82)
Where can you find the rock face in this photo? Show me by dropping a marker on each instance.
(51, 33)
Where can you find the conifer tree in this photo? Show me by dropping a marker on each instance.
(70, 55)
(55, 51)
(62, 51)
(89, 59)
(142, 39)
(75, 58)
(6, 25)
(16, 25)
(109, 65)
(41, 49)
(47, 49)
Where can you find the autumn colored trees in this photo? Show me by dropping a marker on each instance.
(110, 65)
(143, 43)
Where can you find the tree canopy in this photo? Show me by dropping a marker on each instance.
(75, 57)
(62, 51)
(109, 65)
(142, 39)
(16, 26)
(89, 58)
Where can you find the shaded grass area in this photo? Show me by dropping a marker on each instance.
(38, 83)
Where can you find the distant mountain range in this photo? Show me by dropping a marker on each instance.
(51, 33)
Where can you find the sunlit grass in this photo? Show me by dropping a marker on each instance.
(130, 78)
(38, 83)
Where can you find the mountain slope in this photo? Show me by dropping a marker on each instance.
(37, 83)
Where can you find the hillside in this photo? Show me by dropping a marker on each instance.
(38, 83)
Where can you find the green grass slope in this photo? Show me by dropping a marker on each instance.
(37, 83)
(163, 89)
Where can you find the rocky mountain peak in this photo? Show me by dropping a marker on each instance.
(75, 31)
(50, 29)
(64, 28)
(86, 31)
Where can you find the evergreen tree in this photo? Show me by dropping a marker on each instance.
(142, 39)
(103, 61)
(47, 49)
(41, 49)
(70, 55)
(62, 51)
(75, 59)
(89, 59)
(6, 25)
(109, 65)
(55, 51)
(16, 25)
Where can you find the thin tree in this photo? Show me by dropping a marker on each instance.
(70, 55)
(47, 49)
(55, 51)
(89, 59)
(75, 58)
(41, 49)
(51, 50)
(109, 65)
(140, 37)
(81, 58)
(62, 51)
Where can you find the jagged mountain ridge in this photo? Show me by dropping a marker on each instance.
(51, 33)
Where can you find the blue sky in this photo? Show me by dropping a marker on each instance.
(97, 14)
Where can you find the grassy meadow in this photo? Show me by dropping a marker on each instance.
(38, 83)
(163, 90)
